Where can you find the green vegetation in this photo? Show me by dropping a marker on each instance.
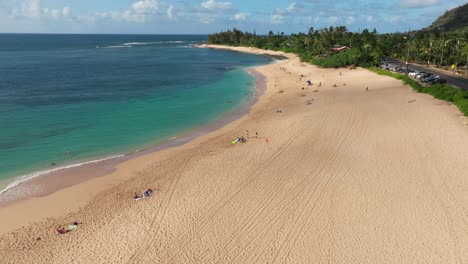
(439, 47)
(453, 20)
(444, 43)
(440, 91)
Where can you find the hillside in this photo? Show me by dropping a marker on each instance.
(455, 20)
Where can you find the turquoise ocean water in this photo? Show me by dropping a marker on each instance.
(69, 99)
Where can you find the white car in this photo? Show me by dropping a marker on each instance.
(412, 74)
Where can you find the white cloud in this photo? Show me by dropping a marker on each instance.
(417, 3)
(370, 18)
(277, 19)
(213, 5)
(145, 6)
(66, 11)
(139, 12)
(350, 20)
(170, 11)
(207, 18)
(291, 7)
(240, 17)
(333, 19)
(280, 15)
(32, 10)
(392, 19)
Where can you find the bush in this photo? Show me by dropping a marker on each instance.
(342, 59)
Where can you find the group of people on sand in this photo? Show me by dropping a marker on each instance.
(145, 194)
(70, 228)
(241, 139)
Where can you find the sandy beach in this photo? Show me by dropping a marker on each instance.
(330, 173)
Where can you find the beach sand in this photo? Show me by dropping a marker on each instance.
(335, 175)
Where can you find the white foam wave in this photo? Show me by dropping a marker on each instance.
(186, 46)
(31, 176)
(138, 43)
(118, 46)
(153, 42)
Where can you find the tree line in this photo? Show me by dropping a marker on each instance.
(367, 48)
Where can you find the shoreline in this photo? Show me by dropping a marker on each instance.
(74, 175)
(330, 172)
(46, 182)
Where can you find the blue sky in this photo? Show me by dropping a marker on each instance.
(207, 16)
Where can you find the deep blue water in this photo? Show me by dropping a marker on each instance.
(102, 95)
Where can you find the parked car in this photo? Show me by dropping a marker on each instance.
(436, 81)
(424, 75)
(413, 74)
(418, 74)
(430, 79)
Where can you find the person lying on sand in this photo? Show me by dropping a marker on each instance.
(70, 228)
(147, 193)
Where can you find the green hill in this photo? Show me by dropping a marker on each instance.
(455, 20)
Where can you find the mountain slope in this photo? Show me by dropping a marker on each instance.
(455, 20)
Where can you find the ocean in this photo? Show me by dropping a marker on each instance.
(66, 100)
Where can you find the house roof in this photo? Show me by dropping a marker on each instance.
(338, 48)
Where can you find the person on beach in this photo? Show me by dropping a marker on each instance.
(256, 134)
(367, 88)
(148, 192)
(71, 227)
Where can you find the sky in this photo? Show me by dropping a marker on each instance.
(208, 16)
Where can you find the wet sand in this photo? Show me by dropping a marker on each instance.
(335, 175)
